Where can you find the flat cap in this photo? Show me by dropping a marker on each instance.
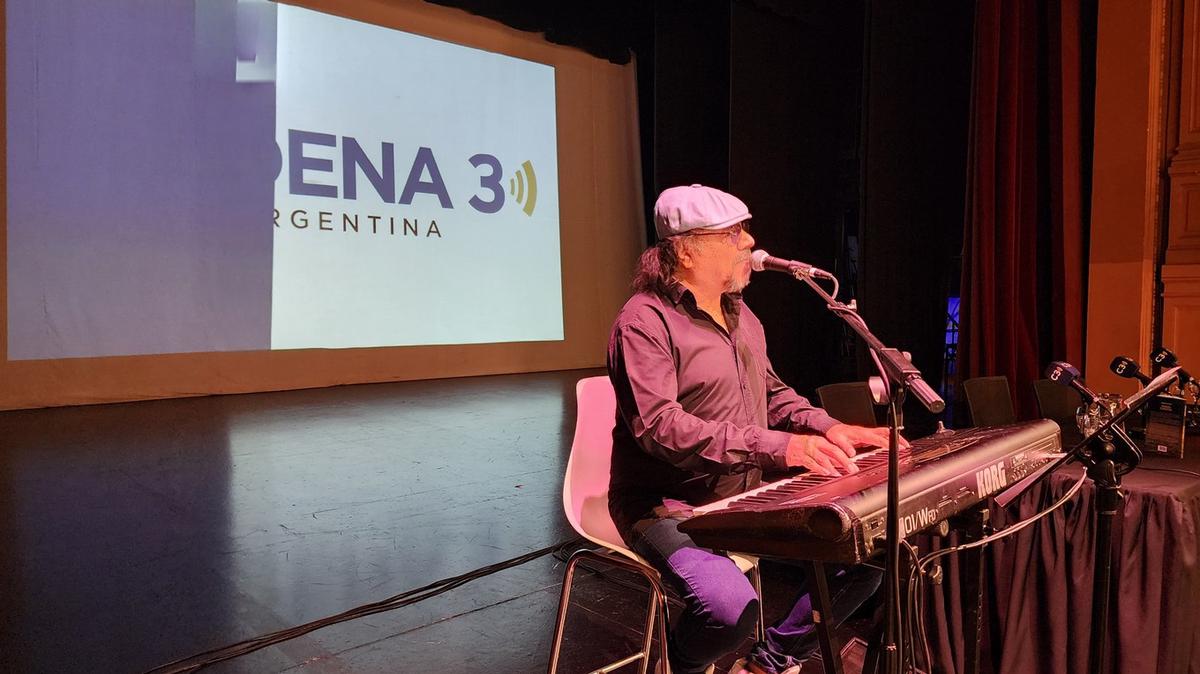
(682, 209)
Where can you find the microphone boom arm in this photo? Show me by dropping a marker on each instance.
(893, 365)
(901, 377)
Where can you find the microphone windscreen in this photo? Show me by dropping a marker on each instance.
(758, 259)
(1062, 373)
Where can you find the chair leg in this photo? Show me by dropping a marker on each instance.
(656, 614)
(648, 633)
(760, 632)
(561, 621)
(659, 597)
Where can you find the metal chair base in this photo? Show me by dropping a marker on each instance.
(656, 610)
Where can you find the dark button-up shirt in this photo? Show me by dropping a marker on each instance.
(700, 412)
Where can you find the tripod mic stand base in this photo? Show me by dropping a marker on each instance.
(1109, 503)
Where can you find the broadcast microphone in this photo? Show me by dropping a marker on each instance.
(1166, 358)
(761, 260)
(1128, 368)
(1097, 412)
(1068, 375)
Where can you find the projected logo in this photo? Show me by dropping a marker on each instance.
(422, 177)
(516, 187)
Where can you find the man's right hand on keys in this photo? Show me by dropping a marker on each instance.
(819, 455)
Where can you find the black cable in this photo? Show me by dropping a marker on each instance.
(916, 599)
(912, 612)
(1171, 470)
(198, 661)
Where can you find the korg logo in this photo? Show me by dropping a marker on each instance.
(516, 187)
(991, 479)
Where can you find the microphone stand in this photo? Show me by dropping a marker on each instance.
(902, 377)
(1104, 467)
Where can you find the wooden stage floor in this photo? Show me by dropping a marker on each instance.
(135, 534)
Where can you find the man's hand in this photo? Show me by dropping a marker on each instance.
(819, 455)
(851, 438)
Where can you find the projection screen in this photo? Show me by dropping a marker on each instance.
(209, 196)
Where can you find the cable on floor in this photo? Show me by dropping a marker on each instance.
(210, 657)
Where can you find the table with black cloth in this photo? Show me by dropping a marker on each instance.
(1037, 614)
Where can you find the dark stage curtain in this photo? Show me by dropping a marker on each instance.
(1028, 177)
(608, 30)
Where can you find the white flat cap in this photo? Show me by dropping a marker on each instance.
(682, 209)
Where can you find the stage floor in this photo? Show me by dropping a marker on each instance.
(135, 534)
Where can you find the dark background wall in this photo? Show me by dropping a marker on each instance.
(795, 122)
(690, 97)
(843, 126)
(914, 149)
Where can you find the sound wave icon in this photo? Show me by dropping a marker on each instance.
(516, 187)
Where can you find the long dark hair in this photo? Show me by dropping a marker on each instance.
(657, 264)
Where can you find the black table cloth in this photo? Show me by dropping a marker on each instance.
(1038, 589)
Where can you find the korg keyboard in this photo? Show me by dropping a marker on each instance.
(842, 518)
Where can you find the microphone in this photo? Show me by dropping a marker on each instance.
(1123, 366)
(761, 260)
(1096, 412)
(1068, 375)
(1166, 358)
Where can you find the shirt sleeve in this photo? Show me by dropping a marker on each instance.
(790, 410)
(786, 409)
(642, 369)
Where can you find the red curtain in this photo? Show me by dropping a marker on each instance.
(1024, 246)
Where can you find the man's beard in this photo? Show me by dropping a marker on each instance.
(737, 285)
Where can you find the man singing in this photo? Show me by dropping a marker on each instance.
(701, 415)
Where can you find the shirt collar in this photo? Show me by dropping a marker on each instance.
(676, 292)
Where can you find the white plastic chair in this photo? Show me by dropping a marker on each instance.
(585, 500)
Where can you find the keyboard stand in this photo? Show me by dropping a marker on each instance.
(973, 526)
(822, 613)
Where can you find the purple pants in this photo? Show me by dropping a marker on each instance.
(721, 607)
